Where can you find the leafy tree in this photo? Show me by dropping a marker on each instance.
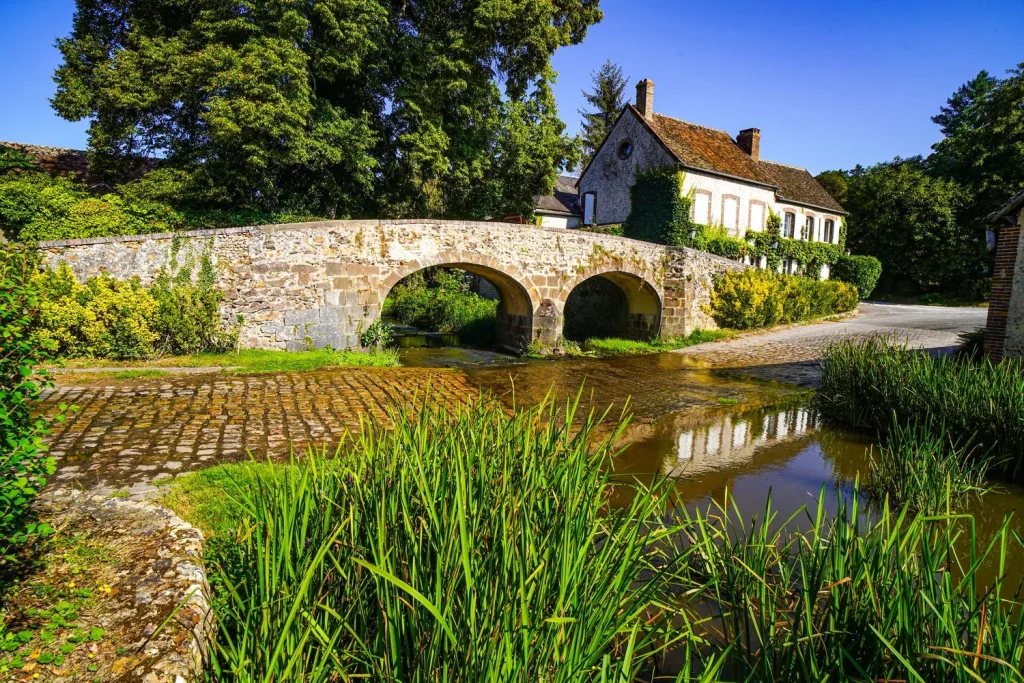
(835, 183)
(607, 101)
(908, 219)
(337, 107)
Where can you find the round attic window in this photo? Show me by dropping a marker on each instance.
(626, 149)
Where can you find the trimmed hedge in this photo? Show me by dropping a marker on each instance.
(860, 271)
(751, 298)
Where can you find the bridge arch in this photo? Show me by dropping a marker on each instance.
(611, 302)
(516, 300)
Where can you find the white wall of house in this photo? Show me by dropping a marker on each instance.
(547, 220)
(738, 206)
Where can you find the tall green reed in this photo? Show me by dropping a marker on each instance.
(451, 544)
(902, 598)
(867, 384)
(927, 470)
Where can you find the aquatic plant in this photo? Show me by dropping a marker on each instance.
(909, 597)
(926, 470)
(869, 384)
(454, 543)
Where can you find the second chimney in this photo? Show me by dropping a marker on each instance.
(645, 98)
(749, 141)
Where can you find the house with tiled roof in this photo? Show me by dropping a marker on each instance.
(730, 185)
(561, 208)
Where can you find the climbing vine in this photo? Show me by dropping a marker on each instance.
(660, 213)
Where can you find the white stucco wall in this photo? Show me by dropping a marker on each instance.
(707, 188)
(560, 222)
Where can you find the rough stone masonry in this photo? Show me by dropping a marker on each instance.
(313, 285)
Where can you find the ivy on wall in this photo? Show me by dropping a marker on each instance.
(661, 214)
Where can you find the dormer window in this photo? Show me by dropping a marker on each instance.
(626, 149)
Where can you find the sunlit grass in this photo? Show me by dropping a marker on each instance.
(252, 361)
(632, 347)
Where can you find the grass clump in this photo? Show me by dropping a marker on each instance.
(908, 597)
(872, 384)
(454, 543)
(632, 347)
(926, 470)
(262, 360)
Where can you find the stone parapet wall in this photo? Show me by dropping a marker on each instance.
(320, 284)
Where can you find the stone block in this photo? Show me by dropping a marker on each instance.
(302, 316)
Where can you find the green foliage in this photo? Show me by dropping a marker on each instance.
(121, 319)
(331, 107)
(926, 470)
(456, 542)
(15, 159)
(660, 212)
(439, 300)
(24, 463)
(482, 542)
(860, 271)
(872, 384)
(835, 183)
(612, 229)
(378, 335)
(911, 222)
(632, 347)
(607, 101)
(752, 298)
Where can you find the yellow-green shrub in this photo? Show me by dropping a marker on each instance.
(104, 318)
(751, 298)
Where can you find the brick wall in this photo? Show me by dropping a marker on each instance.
(1002, 289)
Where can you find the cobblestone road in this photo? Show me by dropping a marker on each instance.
(791, 355)
(130, 434)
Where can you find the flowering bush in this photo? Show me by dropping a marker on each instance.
(752, 298)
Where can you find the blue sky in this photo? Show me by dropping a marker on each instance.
(829, 84)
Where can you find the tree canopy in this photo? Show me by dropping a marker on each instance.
(606, 102)
(339, 107)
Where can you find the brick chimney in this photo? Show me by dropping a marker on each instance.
(645, 98)
(749, 141)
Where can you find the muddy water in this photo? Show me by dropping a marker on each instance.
(709, 432)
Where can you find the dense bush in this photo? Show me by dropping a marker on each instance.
(108, 318)
(24, 463)
(751, 298)
(439, 300)
(35, 206)
(860, 271)
(869, 385)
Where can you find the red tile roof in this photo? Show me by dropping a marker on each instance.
(707, 149)
(797, 185)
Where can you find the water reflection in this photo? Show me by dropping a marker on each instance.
(733, 440)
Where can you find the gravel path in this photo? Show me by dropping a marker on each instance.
(791, 355)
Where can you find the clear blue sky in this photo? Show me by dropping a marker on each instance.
(829, 84)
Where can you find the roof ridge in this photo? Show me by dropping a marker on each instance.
(695, 125)
(779, 163)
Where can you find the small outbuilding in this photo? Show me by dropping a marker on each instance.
(1004, 334)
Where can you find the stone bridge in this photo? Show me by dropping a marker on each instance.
(320, 284)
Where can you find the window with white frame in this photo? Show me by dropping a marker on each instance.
(731, 212)
(702, 207)
(589, 208)
(789, 225)
(830, 231)
(807, 233)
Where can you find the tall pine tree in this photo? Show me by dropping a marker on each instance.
(606, 101)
